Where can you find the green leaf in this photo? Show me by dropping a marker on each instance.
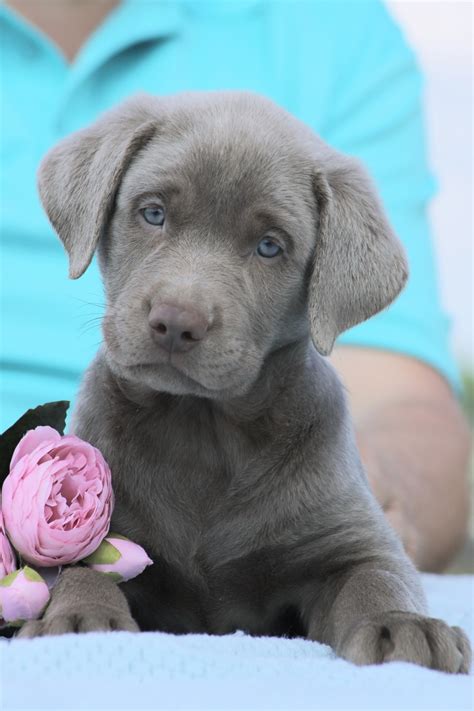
(105, 554)
(32, 575)
(52, 414)
(8, 579)
(29, 573)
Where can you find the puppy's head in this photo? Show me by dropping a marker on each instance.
(225, 229)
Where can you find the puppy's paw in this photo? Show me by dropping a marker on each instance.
(407, 637)
(106, 619)
(82, 600)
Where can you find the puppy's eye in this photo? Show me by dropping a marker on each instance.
(154, 215)
(268, 248)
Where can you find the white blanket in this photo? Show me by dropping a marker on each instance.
(160, 671)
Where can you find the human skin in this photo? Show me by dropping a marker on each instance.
(411, 433)
(415, 446)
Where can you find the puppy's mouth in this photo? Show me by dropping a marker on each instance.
(149, 372)
(170, 368)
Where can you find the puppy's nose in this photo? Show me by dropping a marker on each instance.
(177, 328)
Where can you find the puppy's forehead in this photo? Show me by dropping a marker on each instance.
(231, 155)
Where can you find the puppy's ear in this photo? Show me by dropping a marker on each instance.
(79, 178)
(360, 265)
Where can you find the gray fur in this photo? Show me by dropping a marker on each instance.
(234, 463)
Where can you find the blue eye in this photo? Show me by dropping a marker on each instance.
(154, 215)
(268, 248)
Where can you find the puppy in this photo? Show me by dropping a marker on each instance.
(234, 246)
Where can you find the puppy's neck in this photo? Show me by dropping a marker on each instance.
(283, 374)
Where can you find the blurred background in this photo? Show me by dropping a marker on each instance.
(441, 33)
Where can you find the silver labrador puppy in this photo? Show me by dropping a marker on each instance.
(234, 246)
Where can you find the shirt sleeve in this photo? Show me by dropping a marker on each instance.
(374, 112)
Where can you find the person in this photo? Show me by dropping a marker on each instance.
(346, 70)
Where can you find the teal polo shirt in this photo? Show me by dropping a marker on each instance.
(342, 67)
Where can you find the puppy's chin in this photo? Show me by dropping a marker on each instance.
(166, 378)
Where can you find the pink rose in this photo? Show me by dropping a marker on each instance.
(23, 596)
(7, 556)
(119, 557)
(57, 499)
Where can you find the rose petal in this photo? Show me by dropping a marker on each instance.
(7, 555)
(32, 441)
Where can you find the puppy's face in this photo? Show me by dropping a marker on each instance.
(206, 258)
(221, 223)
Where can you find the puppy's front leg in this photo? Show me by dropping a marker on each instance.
(83, 600)
(377, 616)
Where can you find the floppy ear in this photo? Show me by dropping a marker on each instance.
(79, 178)
(359, 264)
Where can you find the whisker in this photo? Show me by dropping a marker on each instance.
(100, 305)
(90, 325)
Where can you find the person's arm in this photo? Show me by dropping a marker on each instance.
(415, 444)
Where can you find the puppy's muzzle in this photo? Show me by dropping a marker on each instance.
(177, 327)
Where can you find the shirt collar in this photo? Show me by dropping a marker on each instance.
(130, 23)
(127, 25)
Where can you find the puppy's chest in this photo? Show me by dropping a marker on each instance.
(203, 509)
(183, 497)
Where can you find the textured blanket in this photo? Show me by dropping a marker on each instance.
(160, 671)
